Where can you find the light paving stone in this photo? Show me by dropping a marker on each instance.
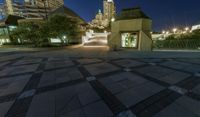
(65, 101)
(191, 60)
(18, 69)
(75, 113)
(197, 74)
(58, 64)
(98, 109)
(3, 64)
(182, 66)
(59, 76)
(96, 69)
(127, 113)
(88, 61)
(86, 94)
(4, 107)
(75, 97)
(28, 93)
(154, 71)
(6, 59)
(197, 89)
(128, 63)
(28, 61)
(175, 110)
(127, 69)
(58, 59)
(134, 95)
(174, 77)
(178, 90)
(189, 104)
(154, 64)
(151, 60)
(91, 78)
(42, 105)
(122, 81)
(163, 74)
(13, 84)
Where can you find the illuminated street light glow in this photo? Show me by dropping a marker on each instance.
(186, 28)
(174, 30)
(163, 32)
(113, 19)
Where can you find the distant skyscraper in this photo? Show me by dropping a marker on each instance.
(102, 20)
(9, 6)
(109, 9)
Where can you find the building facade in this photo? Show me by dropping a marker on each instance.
(32, 8)
(131, 30)
(102, 20)
(109, 9)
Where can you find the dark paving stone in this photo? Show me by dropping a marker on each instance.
(13, 84)
(194, 96)
(8, 98)
(100, 68)
(85, 61)
(182, 66)
(155, 103)
(189, 83)
(175, 110)
(128, 63)
(59, 76)
(136, 94)
(4, 107)
(59, 86)
(114, 104)
(166, 75)
(19, 108)
(189, 104)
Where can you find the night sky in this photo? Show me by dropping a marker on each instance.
(165, 14)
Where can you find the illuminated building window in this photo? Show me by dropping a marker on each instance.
(129, 40)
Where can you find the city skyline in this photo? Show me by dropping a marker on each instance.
(165, 16)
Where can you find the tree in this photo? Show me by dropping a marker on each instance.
(39, 33)
(60, 26)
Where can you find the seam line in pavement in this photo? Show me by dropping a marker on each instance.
(21, 106)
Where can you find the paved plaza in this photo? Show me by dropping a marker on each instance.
(65, 83)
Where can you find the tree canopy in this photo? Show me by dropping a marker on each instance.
(39, 33)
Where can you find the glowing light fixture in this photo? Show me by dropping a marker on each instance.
(186, 28)
(174, 30)
(113, 19)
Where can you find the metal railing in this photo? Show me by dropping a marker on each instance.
(177, 44)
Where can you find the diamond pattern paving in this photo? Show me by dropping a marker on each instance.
(95, 87)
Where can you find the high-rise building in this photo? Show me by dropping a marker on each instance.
(32, 8)
(102, 20)
(109, 9)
